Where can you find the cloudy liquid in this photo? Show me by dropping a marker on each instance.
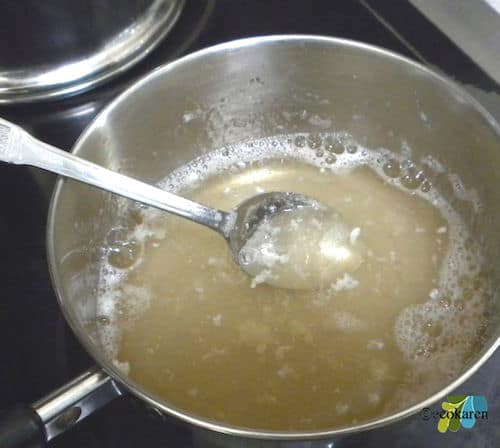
(189, 326)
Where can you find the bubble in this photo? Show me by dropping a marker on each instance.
(412, 179)
(116, 235)
(103, 320)
(123, 255)
(445, 302)
(244, 258)
(330, 159)
(329, 143)
(407, 165)
(432, 328)
(392, 168)
(122, 252)
(334, 145)
(314, 141)
(300, 141)
(426, 186)
(320, 153)
(351, 148)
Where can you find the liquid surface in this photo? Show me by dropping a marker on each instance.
(188, 325)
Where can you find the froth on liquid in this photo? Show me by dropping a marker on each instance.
(190, 327)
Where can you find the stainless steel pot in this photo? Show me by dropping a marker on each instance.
(246, 89)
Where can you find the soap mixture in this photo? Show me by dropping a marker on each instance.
(179, 316)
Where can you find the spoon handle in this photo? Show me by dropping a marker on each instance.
(20, 148)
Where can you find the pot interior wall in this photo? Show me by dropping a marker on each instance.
(263, 88)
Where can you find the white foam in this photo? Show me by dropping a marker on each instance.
(434, 294)
(261, 277)
(353, 237)
(341, 408)
(217, 320)
(463, 193)
(345, 283)
(122, 366)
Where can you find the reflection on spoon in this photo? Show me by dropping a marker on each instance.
(305, 247)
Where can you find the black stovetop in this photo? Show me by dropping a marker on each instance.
(39, 352)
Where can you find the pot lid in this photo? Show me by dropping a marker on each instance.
(69, 47)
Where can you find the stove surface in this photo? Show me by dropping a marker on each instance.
(40, 353)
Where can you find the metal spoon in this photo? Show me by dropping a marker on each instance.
(251, 217)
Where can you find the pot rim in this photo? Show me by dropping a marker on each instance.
(163, 405)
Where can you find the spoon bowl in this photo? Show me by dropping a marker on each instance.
(250, 214)
(292, 241)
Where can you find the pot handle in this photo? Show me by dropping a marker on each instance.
(34, 426)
